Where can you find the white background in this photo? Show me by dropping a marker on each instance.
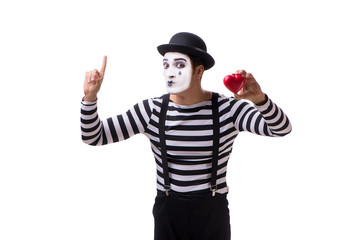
(305, 55)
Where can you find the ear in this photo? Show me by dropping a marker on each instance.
(199, 70)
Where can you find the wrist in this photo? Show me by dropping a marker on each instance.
(90, 98)
(261, 100)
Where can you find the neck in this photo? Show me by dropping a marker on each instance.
(191, 96)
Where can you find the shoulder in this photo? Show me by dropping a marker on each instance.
(159, 99)
(156, 102)
(222, 97)
(231, 99)
(226, 101)
(233, 106)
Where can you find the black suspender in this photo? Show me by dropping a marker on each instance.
(165, 164)
(216, 129)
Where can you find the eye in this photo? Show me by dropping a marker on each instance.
(165, 65)
(180, 65)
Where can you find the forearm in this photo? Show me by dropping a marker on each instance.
(275, 119)
(91, 125)
(121, 127)
(266, 119)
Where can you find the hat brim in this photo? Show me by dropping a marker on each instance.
(197, 52)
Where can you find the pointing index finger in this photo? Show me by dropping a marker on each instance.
(103, 65)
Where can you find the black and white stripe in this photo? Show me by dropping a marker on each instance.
(188, 135)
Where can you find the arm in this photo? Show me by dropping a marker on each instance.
(121, 127)
(96, 132)
(266, 118)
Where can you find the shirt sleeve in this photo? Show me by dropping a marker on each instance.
(266, 120)
(97, 132)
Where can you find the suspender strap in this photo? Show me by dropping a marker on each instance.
(162, 119)
(216, 137)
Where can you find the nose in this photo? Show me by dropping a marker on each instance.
(170, 73)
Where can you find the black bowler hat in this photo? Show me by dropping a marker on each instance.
(190, 44)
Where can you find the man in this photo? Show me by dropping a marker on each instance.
(191, 132)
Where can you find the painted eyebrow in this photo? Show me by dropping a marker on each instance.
(176, 59)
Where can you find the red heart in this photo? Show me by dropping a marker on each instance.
(234, 82)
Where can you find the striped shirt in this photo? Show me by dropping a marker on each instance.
(189, 135)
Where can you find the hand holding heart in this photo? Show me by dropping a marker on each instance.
(93, 81)
(251, 89)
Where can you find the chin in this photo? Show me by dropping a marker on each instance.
(176, 92)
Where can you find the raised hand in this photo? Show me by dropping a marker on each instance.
(93, 81)
(251, 90)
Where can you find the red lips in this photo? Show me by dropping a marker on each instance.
(234, 82)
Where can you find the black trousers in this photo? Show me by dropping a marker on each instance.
(179, 217)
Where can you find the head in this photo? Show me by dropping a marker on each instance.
(185, 60)
(181, 71)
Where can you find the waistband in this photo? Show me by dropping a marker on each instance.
(190, 195)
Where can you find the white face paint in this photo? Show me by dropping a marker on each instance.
(177, 72)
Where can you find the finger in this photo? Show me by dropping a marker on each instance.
(241, 72)
(239, 95)
(88, 76)
(249, 75)
(94, 75)
(250, 78)
(102, 71)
